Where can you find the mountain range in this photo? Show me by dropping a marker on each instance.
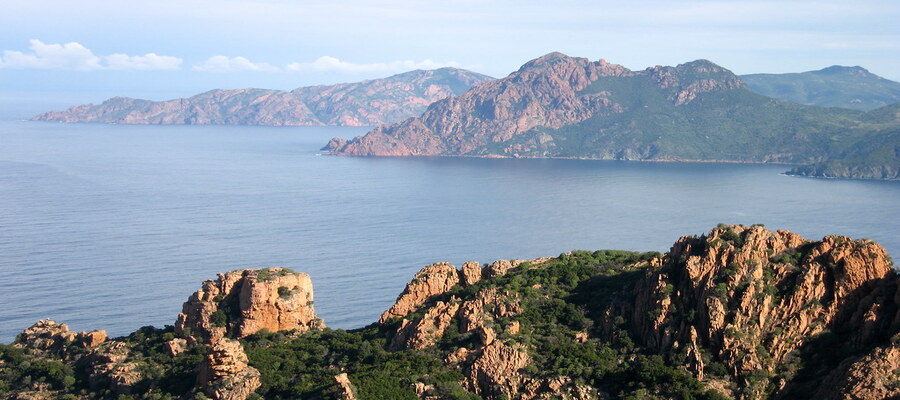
(567, 107)
(366, 103)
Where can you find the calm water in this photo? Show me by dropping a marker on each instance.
(113, 227)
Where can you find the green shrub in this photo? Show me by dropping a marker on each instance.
(219, 318)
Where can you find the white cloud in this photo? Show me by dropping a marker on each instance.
(149, 61)
(332, 64)
(74, 56)
(234, 64)
(52, 56)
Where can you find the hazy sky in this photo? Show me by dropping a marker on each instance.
(165, 48)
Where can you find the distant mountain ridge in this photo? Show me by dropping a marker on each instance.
(835, 86)
(875, 156)
(558, 106)
(366, 103)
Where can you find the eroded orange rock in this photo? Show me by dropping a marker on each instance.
(243, 302)
(432, 280)
(225, 375)
(752, 297)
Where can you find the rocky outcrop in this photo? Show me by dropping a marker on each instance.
(558, 388)
(243, 302)
(49, 335)
(433, 280)
(109, 363)
(488, 303)
(113, 366)
(496, 370)
(366, 103)
(873, 376)
(175, 346)
(347, 391)
(238, 303)
(471, 273)
(754, 299)
(427, 330)
(93, 338)
(45, 335)
(492, 367)
(500, 267)
(225, 375)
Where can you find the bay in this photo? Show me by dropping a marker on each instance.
(114, 226)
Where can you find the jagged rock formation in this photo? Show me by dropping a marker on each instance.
(225, 375)
(558, 106)
(740, 312)
(114, 366)
(753, 300)
(496, 370)
(873, 376)
(432, 280)
(108, 362)
(492, 367)
(366, 103)
(426, 331)
(470, 273)
(243, 302)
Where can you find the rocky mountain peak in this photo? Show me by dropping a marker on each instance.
(548, 59)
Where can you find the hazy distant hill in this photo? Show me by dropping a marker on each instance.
(566, 107)
(366, 103)
(875, 156)
(835, 86)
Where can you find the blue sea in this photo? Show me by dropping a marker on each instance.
(114, 226)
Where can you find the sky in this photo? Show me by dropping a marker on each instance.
(88, 50)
